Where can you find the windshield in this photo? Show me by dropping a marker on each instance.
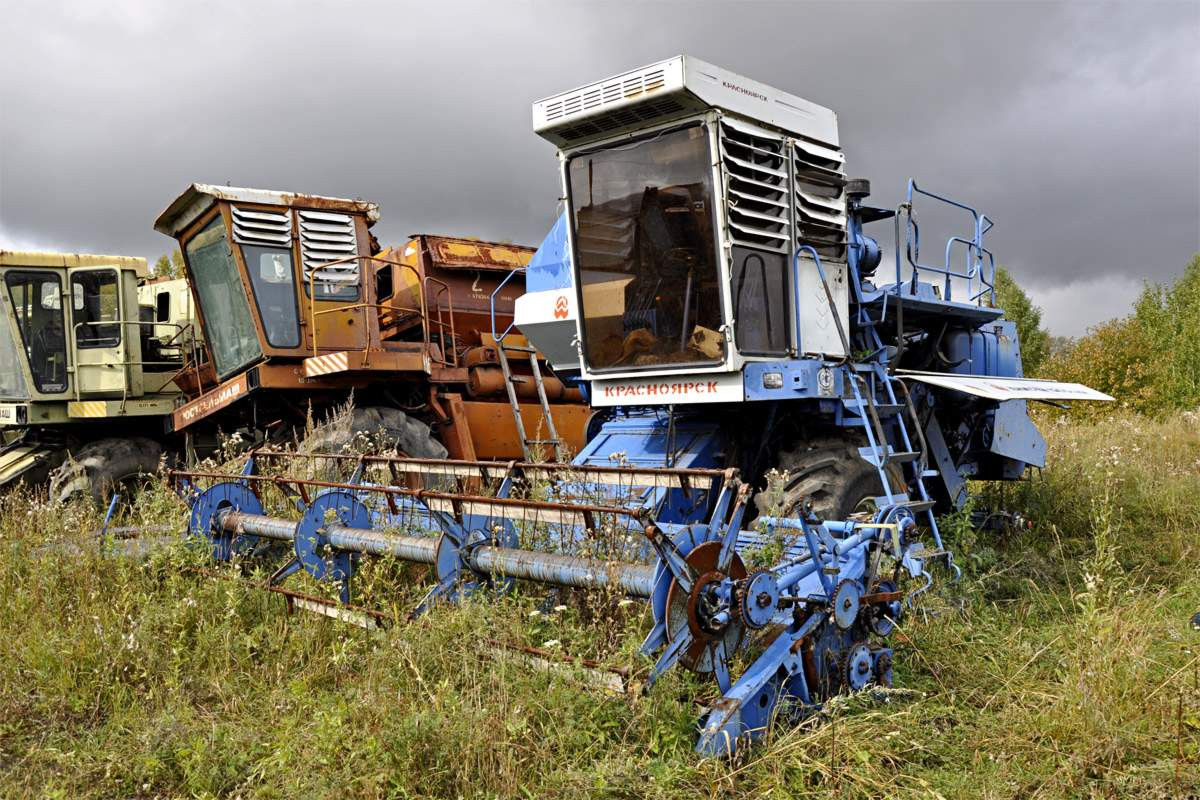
(644, 245)
(229, 325)
(37, 303)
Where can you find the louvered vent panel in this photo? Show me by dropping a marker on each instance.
(326, 237)
(599, 94)
(264, 228)
(819, 193)
(643, 112)
(756, 186)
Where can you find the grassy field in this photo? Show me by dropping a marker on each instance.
(1062, 665)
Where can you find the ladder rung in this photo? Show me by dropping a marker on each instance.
(875, 456)
(554, 442)
(917, 506)
(882, 409)
(517, 348)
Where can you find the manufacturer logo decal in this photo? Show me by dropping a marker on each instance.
(560, 307)
(745, 91)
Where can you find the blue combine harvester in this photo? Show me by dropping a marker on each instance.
(777, 424)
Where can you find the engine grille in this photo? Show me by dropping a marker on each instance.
(756, 186)
(818, 185)
(782, 192)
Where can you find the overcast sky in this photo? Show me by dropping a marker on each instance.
(1076, 127)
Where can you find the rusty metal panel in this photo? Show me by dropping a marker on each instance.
(199, 197)
(450, 253)
(223, 396)
(494, 431)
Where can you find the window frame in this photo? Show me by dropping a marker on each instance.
(262, 317)
(26, 345)
(77, 327)
(203, 221)
(715, 221)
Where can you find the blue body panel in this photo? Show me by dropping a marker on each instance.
(550, 267)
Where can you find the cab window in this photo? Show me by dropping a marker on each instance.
(274, 281)
(96, 309)
(37, 304)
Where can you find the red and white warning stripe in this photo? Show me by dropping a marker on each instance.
(326, 365)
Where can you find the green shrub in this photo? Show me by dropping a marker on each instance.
(1150, 360)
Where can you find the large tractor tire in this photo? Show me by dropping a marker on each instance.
(379, 427)
(96, 468)
(828, 471)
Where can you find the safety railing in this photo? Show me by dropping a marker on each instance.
(492, 309)
(440, 328)
(188, 359)
(978, 267)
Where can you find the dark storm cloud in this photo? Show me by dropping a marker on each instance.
(1076, 127)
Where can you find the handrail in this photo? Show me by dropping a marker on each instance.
(492, 308)
(452, 361)
(837, 318)
(976, 257)
(421, 287)
(312, 296)
(76, 366)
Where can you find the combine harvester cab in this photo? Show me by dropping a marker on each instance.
(306, 309)
(92, 362)
(711, 288)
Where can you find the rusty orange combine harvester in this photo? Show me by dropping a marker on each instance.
(303, 309)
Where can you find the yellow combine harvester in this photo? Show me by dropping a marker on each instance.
(91, 357)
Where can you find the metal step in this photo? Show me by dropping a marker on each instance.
(915, 506)
(516, 348)
(893, 456)
(882, 409)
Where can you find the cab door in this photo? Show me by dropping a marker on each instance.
(98, 338)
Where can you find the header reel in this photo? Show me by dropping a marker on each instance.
(814, 617)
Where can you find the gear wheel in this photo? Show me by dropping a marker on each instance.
(847, 599)
(883, 668)
(858, 670)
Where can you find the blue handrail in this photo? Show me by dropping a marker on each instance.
(979, 263)
(837, 318)
(492, 309)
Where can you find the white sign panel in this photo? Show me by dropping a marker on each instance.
(547, 319)
(661, 391)
(1007, 388)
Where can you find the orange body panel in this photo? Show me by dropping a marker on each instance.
(494, 431)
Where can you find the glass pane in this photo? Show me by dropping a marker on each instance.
(37, 304)
(275, 292)
(12, 371)
(95, 309)
(760, 301)
(228, 325)
(646, 252)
